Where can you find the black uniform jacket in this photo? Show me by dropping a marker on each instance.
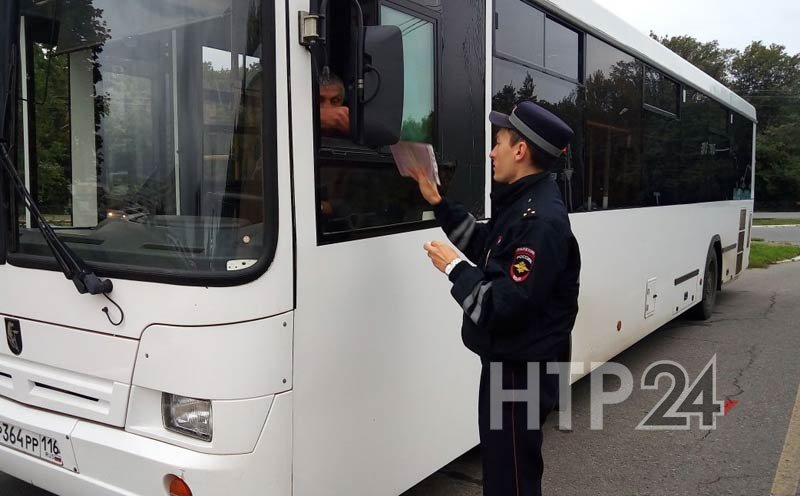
(520, 294)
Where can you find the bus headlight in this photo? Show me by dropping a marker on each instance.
(187, 416)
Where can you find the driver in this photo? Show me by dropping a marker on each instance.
(334, 116)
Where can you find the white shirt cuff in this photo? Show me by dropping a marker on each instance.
(452, 265)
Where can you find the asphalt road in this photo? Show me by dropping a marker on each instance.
(777, 234)
(777, 215)
(755, 337)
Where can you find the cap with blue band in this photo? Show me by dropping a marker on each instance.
(539, 126)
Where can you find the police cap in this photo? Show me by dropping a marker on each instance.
(539, 126)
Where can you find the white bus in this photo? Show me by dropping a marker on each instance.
(274, 326)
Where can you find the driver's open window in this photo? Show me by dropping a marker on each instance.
(359, 189)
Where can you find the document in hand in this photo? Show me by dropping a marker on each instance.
(408, 155)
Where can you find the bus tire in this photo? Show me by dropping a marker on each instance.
(704, 309)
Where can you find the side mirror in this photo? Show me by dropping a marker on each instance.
(382, 111)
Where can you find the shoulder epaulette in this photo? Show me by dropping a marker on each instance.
(530, 209)
(529, 213)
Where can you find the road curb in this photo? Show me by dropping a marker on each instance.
(778, 225)
(795, 259)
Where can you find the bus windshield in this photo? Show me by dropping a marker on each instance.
(140, 133)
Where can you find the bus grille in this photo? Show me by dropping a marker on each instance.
(63, 391)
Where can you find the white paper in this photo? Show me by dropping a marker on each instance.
(409, 156)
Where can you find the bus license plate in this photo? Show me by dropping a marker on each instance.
(31, 443)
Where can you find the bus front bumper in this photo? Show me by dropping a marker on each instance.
(103, 461)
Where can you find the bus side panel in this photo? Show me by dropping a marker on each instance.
(622, 250)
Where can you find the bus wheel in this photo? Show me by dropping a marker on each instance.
(704, 309)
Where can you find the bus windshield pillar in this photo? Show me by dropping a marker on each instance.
(9, 19)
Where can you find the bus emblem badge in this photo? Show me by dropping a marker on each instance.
(14, 336)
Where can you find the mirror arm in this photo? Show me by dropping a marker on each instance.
(360, 51)
(359, 71)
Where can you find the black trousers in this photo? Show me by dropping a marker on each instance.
(512, 456)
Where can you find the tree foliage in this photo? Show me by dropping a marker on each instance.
(709, 57)
(419, 130)
(52, 131)
(760, 68)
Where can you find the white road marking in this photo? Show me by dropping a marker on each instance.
(787, 478)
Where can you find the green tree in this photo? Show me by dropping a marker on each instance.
(761, 68)
(52, 131)
(778, 171)
(528, 90)
(505, 99)
(420, 131)
(709, 57)
(80, 27)
(769, 78)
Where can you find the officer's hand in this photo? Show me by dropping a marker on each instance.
(427, 187)
(334, 120)
(440, 254)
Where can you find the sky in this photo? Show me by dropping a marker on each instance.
(734, 23)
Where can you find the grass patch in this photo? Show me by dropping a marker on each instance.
(762, 255)
(775, 222)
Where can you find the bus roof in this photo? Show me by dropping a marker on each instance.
(602, 23)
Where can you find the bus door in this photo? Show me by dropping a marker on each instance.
(374, 321)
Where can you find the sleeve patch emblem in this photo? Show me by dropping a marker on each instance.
(522, 264)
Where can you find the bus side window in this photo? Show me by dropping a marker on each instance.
(537, 58)
(613, 128)
(359, 187)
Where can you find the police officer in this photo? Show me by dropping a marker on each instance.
(518, 288)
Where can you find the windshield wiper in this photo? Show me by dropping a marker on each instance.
(72, 265)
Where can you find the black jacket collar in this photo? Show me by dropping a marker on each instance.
(505, 195)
